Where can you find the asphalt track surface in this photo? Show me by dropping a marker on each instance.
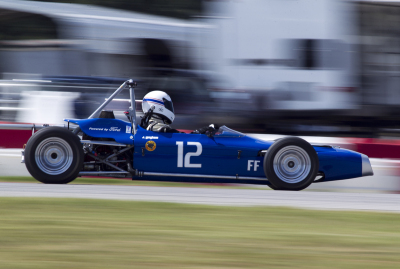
(234, 197)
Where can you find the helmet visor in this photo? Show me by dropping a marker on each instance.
(168, 105)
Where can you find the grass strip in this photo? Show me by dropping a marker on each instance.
(83, 233)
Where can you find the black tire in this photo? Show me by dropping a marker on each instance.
(291, 163)
(54, 155)
(273, 187)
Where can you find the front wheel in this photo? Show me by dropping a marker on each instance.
(291, 163)
(54, 155)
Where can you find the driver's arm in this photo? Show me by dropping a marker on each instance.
(208, 130)
(168, 129)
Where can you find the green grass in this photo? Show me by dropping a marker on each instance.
(126, 181)
(69, 233)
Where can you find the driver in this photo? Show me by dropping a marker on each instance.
(159, 113)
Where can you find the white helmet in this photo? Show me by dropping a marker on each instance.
(163, 107)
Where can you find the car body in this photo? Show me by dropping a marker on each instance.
(114, 147)
(215, 157)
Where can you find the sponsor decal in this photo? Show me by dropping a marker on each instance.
(131, 137)
(149, 137)
(111, 129)
(96, 129)
(115, 129)
(128, 129)
(150, 145)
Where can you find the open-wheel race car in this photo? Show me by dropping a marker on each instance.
(104, 146)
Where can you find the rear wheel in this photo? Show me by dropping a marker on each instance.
(291, 163)
(54, 155)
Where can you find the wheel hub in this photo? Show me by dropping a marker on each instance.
(292, 164)
(53, 156)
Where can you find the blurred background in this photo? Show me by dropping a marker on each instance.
(326, 67)
(325, 70)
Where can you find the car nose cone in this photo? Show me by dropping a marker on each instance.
(366, 166)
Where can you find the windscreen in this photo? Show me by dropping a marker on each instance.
(224, 131)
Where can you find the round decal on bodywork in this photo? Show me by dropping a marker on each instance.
(150, 145)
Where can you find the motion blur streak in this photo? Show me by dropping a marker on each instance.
(321, 68)
(305, 67)
(326, 68)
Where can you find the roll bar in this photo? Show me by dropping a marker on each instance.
(132, 112)
(132, 109)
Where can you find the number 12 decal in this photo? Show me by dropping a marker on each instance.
(189, 154)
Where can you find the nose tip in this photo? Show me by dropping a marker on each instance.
(366, 166)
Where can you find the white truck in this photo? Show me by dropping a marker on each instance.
(291, 55)
(301, 49)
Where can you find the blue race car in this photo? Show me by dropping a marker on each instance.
(104, 146)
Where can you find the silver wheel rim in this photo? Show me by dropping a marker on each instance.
(53, 156)
(292, 164)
